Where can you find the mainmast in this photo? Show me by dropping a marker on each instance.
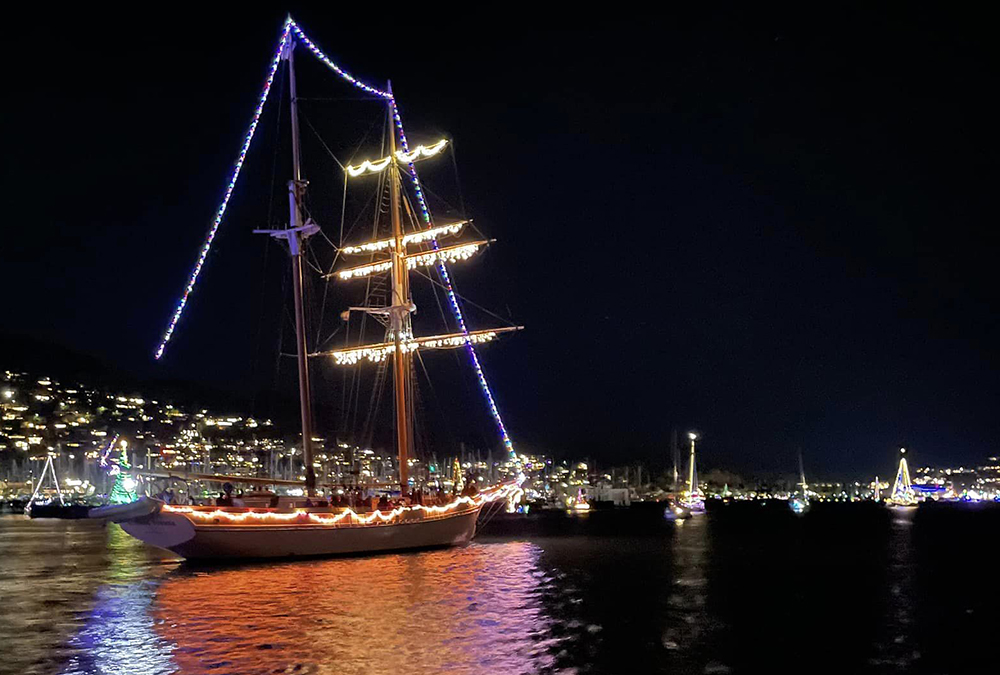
(399, 312)
(395, 256)
(298, 230)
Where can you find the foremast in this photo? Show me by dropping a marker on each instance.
(298, 230)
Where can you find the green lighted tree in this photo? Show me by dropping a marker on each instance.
(123, 491)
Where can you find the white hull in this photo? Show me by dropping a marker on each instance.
(203, 536)
(178, 534)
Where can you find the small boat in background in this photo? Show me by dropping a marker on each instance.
(799, 503)
(903, 496)
(52, 506)
(692, 498)
(675, 511)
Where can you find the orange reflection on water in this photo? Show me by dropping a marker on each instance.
(460, 610)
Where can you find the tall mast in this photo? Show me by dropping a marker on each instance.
(296, 233)
(691, 470)
(802, 474)
(399, 311)
(676, 455)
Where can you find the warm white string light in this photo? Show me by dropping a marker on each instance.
(352, 518)
(383, 350)
(365, 270)
(368, 166)
(406, 157)
(421, 151)
(450, 254)
(414, 260)
(411, 238)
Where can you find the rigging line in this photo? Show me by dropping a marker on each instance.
(335, 333)
(322, 307)
(321, 141)
(379, 195)
(314, 266)
(234, 176)
(458, 182)
(337, 98)
(441, 199)
(464, 299)
(358, 218)
(444, 320)
(456, 309)
(343, 213)
(260, 323)
(281, 329)
(277, 137)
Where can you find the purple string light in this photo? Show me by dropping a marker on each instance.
(333, 66)
(203, 255)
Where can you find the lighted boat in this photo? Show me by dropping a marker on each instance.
(210, 532)
(691, 498)
(903, 497)
(675, 511)
(405, 239)
(799, 503)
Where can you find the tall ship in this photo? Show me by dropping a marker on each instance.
(405, 241)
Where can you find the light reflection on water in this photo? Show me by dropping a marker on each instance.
(741, 590)
(465, 610)
(84, 599)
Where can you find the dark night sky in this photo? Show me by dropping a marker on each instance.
(777, 230)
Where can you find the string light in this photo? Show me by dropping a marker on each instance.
(450, 254)
(453, 298)
(412, 238)
(368, 166)
(333, 66)
(383, 350)
(365, 270)
(291, 27)
(221, 211)
(414, 260)
(352, 518)
(420, 152)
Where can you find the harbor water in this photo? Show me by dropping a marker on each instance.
(743, 589)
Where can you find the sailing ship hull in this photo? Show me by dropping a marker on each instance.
(209, 541)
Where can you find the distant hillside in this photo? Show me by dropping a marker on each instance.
(38, 357)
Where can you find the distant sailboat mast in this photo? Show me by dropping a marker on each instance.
(675, 451)
(802, 475)
(692, 471)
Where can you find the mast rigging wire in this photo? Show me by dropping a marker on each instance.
(289, 28)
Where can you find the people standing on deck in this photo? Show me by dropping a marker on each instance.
(471, 487)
